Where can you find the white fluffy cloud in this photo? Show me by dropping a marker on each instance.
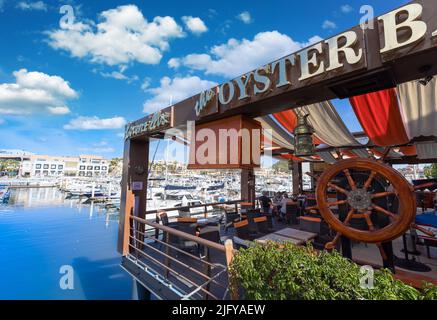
(346, 8)
(95, 123)
(35, 92)
(29, 5)
(239, 56)
(195, 24)
(328, 24)
(146, 83)
(245, 17)
(173, 91)
(174, 63)
(122, 36)
(119, 76)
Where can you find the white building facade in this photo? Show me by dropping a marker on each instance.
(52, 166)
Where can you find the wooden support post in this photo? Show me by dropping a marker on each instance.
(248, 185)
(313, 181)
(346, 247)
(135, 171)
(229, 247)
(389, 262)
(297, 178)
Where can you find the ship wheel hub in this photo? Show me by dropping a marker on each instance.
(359, 199)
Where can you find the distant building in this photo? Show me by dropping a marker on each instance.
(54, 166)
(14, 154)
(92, 166)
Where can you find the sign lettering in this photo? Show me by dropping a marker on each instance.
(205, 99)
(416, 27)
(155, 122)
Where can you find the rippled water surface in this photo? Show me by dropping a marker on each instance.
(41, 231)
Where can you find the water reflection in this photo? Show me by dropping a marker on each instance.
(33, 197)
(41, 230)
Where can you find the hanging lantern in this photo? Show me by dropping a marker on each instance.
(303, 137)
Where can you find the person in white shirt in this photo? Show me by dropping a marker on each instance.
(284, 202)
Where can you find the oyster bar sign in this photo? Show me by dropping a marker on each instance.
(154, 122)
(341, 54)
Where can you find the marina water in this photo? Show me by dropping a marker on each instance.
(41, 231)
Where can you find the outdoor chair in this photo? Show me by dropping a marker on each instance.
(186, 220)
(181, 243)
(161, 216)
(292, 212)
(244, 231)
(310, 224)
(262, 225)
(316, 225)
(269, 217)
(230, 219)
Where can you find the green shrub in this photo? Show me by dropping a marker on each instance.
(286, 272)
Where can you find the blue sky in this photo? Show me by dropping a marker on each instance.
(68, 87)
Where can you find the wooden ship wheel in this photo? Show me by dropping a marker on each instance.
(360, 197)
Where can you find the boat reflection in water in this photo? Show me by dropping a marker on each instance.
(41, 232)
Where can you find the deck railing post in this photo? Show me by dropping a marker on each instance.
(229, 252)
(167, 253)
(207, 270)
(205, 212)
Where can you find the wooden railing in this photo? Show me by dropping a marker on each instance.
(152, 253)
(204, 205)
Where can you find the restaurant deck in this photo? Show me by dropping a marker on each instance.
(196, 268)
(388, 77)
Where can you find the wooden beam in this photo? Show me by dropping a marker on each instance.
(410, 160)
(248, 185)
(135, 173)
(297, 178)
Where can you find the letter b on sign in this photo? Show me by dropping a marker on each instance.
(67, 280)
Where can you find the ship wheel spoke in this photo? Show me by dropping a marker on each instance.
(336, 203)
(339, 189)
(369, 180)
(331, 245)
(349, 216)
(388, 213)
(350, 179)
(369, 221)
(382, 194)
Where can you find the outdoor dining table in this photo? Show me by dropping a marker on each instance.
(278, 238)
(295, 236)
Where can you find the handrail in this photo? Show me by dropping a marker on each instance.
(182, 234)
(193, 207)
(227, 249)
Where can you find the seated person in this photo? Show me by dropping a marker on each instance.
(265, 203)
